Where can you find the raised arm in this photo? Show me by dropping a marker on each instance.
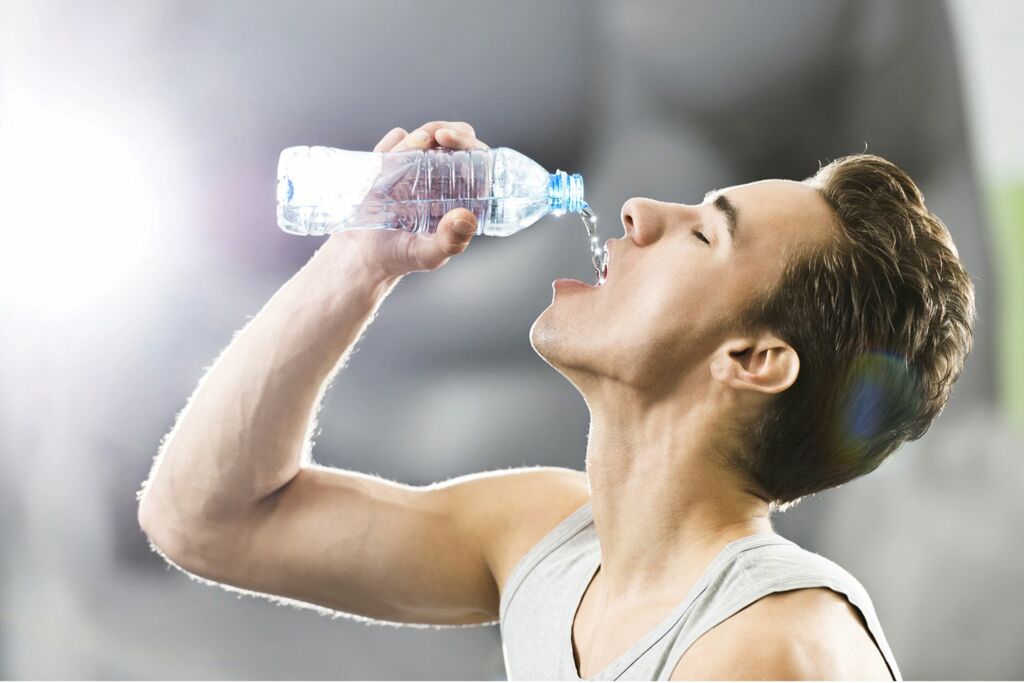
(233, 498)
(243, 433)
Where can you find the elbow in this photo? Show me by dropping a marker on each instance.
(171, 542)
(146, 517)
(155, 526)
(194, 549)
(156, 523)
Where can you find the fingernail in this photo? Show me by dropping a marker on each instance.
(451, 131)
(420, 136)
(464, 227)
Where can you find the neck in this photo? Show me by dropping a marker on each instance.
(663, 504)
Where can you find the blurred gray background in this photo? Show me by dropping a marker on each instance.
(139, 148)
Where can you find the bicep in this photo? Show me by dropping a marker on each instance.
(359, 545)
(365, 546)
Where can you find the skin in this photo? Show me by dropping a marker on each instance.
(663, 380)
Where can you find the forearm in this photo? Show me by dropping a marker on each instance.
(243, 432)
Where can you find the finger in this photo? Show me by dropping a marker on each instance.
(460, 126)
(390, 140)
(457, 139)
(418, 139)
(435, 126)
(432, 127)
(454, 232)
(429, 129)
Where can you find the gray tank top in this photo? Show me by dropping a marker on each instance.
(545, 588)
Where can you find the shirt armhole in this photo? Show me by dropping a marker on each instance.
(562, 532)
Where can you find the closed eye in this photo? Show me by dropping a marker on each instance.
(701, 237)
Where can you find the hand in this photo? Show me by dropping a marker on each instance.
(397, 252)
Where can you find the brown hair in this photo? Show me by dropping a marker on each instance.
(881, 318)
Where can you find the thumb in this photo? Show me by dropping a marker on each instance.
(454, 232)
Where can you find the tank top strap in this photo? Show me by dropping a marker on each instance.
(544, 587)
(762, 566)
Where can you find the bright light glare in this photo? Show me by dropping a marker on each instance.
(77, 211)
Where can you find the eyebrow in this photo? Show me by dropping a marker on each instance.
(732, 217)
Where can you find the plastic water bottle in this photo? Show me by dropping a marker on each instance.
(322, 190)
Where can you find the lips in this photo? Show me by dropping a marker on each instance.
(569, 283)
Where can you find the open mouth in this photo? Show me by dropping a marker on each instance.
(580, 284)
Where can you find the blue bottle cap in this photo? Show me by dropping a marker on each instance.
(565, 192)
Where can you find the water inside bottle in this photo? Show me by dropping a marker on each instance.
(598, 255)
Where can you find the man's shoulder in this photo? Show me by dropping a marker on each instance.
(810, 633)
(513, 509)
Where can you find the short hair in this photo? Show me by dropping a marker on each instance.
(881, 318)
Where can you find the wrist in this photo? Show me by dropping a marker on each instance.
(346, 261)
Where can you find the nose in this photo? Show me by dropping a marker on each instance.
(643, 219)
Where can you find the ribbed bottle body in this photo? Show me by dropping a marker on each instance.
(323, 190)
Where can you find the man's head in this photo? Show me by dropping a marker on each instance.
(819, 324)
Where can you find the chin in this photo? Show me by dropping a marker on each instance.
(543, 338)
(557, 341)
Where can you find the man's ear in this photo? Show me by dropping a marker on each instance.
(765, 364)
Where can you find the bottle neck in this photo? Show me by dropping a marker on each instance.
(565, 192)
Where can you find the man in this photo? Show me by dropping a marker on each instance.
(776, 340)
